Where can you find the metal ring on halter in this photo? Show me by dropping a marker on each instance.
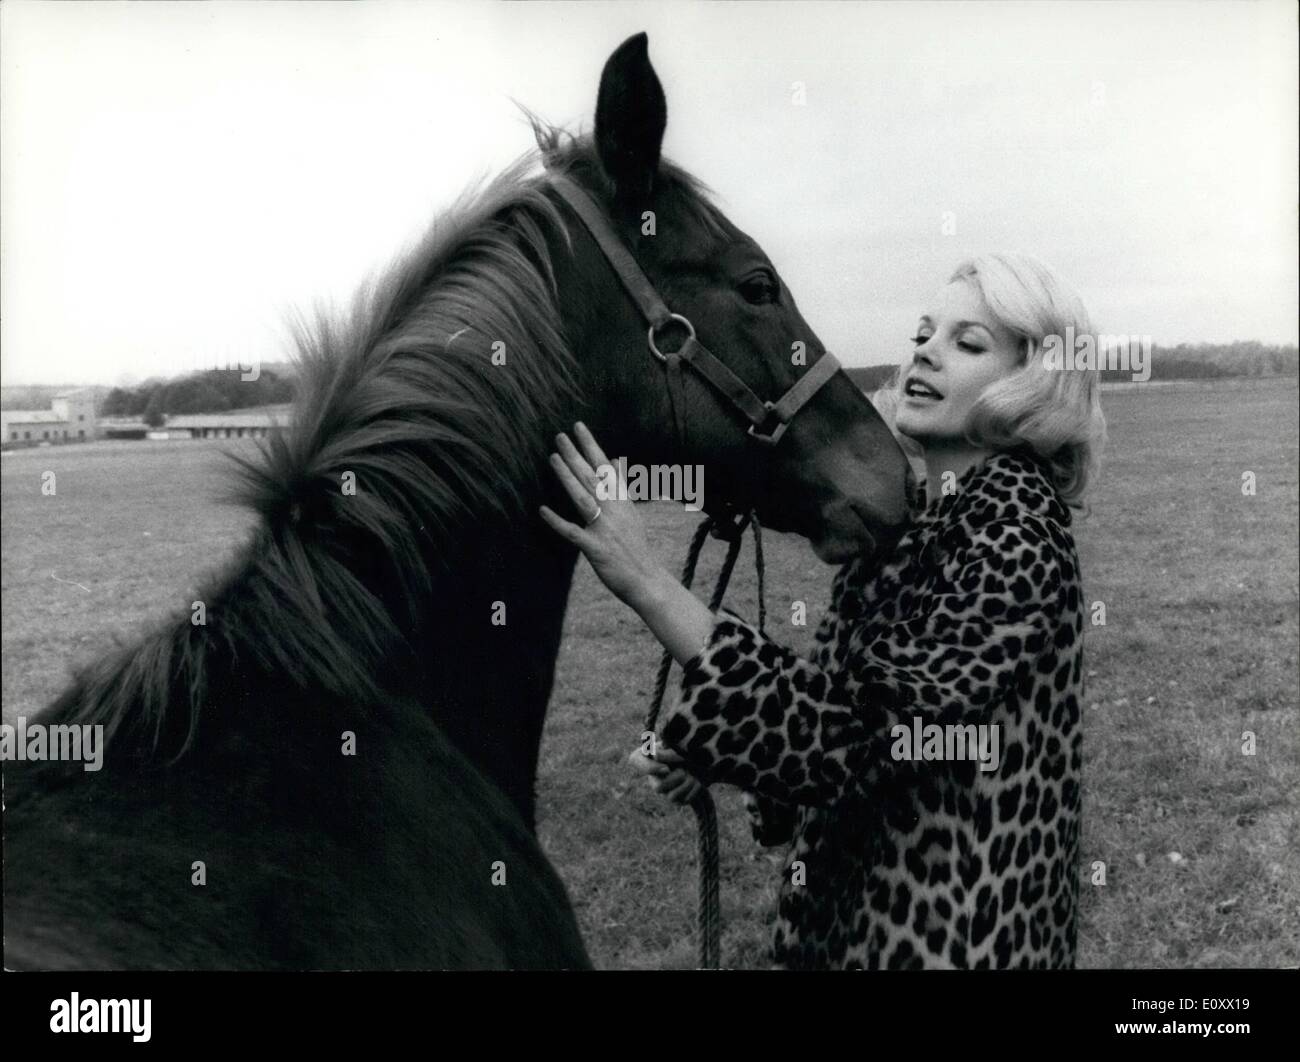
(595, 516)
(690, 334)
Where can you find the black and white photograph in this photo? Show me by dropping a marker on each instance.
(686, 486)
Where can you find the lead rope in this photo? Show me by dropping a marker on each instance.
(706, 815)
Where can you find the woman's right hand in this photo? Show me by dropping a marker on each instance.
(667, 774)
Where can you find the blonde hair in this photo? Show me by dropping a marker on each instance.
(1056, 413)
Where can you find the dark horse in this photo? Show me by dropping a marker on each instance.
(337, 769)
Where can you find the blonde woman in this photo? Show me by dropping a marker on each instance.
(923, 765)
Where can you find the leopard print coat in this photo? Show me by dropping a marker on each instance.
(976, 617)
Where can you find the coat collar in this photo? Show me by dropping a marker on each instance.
(1008, 484)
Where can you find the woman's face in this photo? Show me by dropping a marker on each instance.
(960, 349)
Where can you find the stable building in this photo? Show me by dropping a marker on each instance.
(234, 424)
(70, 418)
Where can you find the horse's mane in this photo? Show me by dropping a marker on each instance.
(401, 398)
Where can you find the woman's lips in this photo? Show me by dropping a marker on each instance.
(920, 391)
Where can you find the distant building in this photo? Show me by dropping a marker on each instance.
(71, 418)
(233, 424)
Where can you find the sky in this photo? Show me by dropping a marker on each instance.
(176, 179)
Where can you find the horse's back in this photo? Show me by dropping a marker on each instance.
(288, 848)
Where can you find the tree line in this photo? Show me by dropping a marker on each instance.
(212, 391)
(1202, 361)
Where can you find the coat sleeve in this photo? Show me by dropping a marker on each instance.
(754, 714)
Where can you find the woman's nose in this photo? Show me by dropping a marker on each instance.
(924, 354)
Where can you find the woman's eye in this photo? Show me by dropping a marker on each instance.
(918, 340)
(970, 348)
(759, 290)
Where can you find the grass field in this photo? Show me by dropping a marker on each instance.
(1200, 583)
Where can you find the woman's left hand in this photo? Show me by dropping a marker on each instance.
(668, 774)
(614, 538)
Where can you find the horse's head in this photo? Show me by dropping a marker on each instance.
(835, 473)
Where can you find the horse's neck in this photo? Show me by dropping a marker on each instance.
(492, 637)
(495, 634)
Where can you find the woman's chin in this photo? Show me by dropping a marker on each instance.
(915, 429)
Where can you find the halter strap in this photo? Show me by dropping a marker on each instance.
(620, 258)
(767, 420)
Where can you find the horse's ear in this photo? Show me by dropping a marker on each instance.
(631, 115)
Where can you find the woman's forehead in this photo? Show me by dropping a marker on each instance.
(960, 301)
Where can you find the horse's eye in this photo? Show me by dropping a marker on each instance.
(759, 289)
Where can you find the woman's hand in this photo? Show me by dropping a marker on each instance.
(614, 538)
(667, 774)
(614, 541)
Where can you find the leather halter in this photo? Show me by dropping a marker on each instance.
(767, 420)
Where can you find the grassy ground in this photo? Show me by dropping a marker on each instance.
(1200, 585)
